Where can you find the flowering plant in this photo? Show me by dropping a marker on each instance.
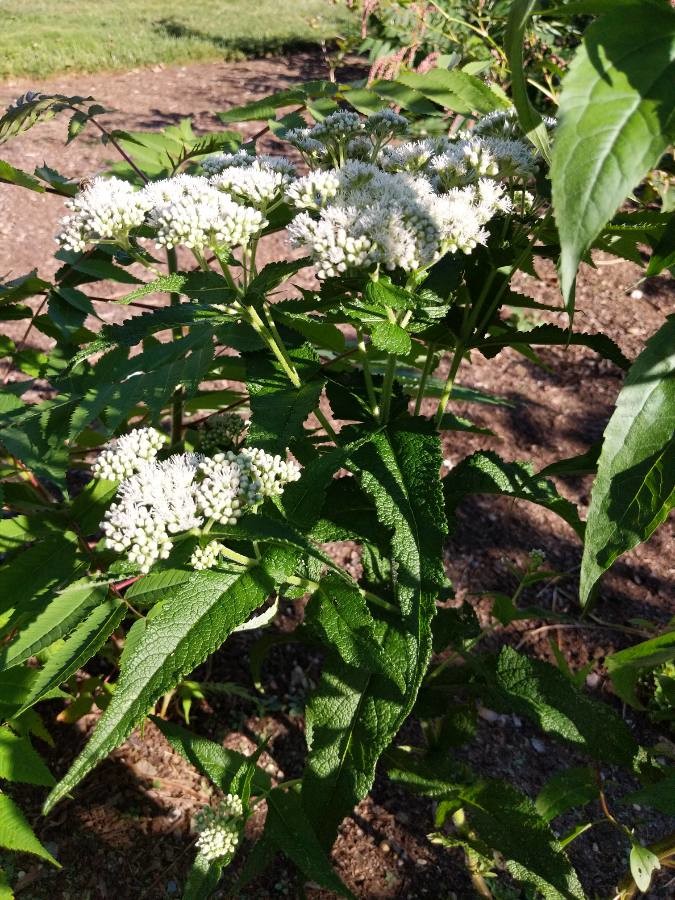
(343, 363)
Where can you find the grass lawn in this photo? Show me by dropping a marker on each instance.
(45, 37)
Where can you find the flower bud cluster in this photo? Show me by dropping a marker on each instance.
(314, 190)
(162, 499)
(219, 829)
(269, 474)
(345, 135)
(206, 557)
(106, 211)
(242, 159)
(222, 432)
(128, 454)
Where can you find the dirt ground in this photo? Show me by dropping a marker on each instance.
(125, 834)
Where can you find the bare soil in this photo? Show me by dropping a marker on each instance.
(126, 832)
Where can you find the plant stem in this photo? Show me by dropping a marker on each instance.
(450, 382)
(426, 372)
(368, 378)
(178, 394)
(238, 557)
(387, 385)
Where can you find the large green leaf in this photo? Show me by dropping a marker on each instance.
(16, 834)
(355, 713)
(36, 570)
(455, 90)
(487, 473)
(616, 119)
(340, 614)
(635, 487)
(202, 879)
(192, 623)
(545, 695)
(278, 409)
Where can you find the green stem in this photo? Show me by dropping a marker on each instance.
(368, 378)
(426, 372)
(260, 328)
(387, 386)
(238, 557)
(178, 394)
(330, 431)
(450, 382)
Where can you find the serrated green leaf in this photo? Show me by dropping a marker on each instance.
(455, 90)
(91, 503)
(16, 834)
(615, 120)
(36, 570)
(354, 714)
(10, 175)
(68, 608)
(391, 338)
(19, 761)
(278, 409)
(635, 487)
(566, 790)
(81, 645)
(199, 617)
(553, 335)
(202, 878)
(544, 694)
(507, 821)
(289, 828)
(487, 473)
(227, 769)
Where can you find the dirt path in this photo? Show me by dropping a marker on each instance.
(131, 818)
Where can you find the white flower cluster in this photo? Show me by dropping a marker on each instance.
(189, 210)
(128, 454)
(463, 161)
(106, 211)
(259, 184)
(161, 499)
(219, 829)
(394, 220)
(185, 209)
(503, 123)
(222, 432)
(314, 190)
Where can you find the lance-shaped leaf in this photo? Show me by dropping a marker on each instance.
(540, 691)
(16, 834)
(81, 645)
(190, 625)
(226, 768)
(355, 713)
(616, 119)
(202, 879)
(19, 761)
(487, 473)
(65, 611)
(635, 487)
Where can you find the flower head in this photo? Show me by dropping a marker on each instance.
(107, 210)
(219, 829)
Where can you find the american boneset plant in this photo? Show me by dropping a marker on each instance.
(197, 518)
